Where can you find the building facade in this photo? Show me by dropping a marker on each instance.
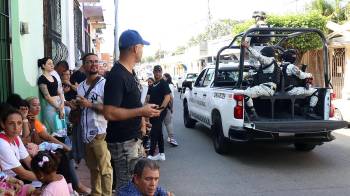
(29, 30)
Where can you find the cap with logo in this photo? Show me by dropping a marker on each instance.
(130, 38)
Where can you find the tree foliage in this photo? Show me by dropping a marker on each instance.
(335, 10)
(148, 59)
(213, 31)
(241, 27)
(301, 43)
(311, 20)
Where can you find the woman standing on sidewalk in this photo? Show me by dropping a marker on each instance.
(54, 98)
(168, 120)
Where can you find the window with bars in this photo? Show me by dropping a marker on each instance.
(87, 36)
(54, 47)
(78, 40)
(337, 68)
(5, 60)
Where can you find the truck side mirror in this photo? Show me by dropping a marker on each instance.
(187, 84)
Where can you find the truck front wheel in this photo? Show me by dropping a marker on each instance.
(188, 121)
(301, 146)
(219, 140)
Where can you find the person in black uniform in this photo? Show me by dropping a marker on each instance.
(159, 94)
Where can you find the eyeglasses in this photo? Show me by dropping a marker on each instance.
(90, 62)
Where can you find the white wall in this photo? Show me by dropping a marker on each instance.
(32, 44)
(67, 18)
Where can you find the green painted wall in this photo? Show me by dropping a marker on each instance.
(27, 48)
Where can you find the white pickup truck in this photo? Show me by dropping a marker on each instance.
(216, 100)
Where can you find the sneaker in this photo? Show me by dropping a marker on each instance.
(169, 140)
(158, 157)
(150, 157)
(173, 142)
(154, 158)
(161, 157)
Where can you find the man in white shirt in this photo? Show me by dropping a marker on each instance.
(90, 99)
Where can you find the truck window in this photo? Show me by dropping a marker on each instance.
(199, 80)
(229, 77)
(208, 76)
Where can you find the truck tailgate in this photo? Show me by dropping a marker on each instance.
(303, 126)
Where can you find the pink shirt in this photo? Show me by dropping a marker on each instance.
(56, 188)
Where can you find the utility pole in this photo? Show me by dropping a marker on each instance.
(116, 40)
(209, 20)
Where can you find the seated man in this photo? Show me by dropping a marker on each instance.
(145, 181)
(295, 81)
(266, 78)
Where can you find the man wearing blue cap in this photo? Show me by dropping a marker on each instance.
(123, 108)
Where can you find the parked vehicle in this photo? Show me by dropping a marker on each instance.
(216, 100)
(187, 77)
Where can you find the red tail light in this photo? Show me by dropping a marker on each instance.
(332, 107)
(238, 110)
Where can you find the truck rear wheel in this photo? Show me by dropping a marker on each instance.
(219, 140)
(300, 146)
(188, 121)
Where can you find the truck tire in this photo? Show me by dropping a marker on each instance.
(219, 140)
(188, 121)
(300, 146)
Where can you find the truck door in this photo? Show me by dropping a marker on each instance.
(195, 96)
(205, 96)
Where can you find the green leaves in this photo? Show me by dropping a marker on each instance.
(302, 43)
(311, 20)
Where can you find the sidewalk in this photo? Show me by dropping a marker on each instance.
(84, 173)
(345, 132)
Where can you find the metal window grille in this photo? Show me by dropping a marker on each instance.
(5, 58)
(87, 36)
(337, 68)
(78, 40)
(54, 47)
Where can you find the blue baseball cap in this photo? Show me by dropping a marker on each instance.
(130, 38)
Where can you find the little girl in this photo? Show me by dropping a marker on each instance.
(44, 165)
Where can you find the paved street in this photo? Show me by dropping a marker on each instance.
(194, 168)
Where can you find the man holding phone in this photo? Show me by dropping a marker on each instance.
(160, 95)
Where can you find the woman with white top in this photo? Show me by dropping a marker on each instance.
(12, 150)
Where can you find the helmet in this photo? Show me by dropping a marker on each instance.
(259, 14)
(268, 51)
(289, 55)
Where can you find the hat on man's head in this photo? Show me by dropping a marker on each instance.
(157, 68)
(268, 51)
(130, 38)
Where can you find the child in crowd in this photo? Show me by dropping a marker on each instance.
(10, 186)
(44, 165)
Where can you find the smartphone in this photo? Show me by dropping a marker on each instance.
(160, 108)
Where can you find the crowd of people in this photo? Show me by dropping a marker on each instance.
(89, 114)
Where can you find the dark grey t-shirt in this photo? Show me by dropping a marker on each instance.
(122, 90)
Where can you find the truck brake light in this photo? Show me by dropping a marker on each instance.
(332, 107)
(238, 109)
